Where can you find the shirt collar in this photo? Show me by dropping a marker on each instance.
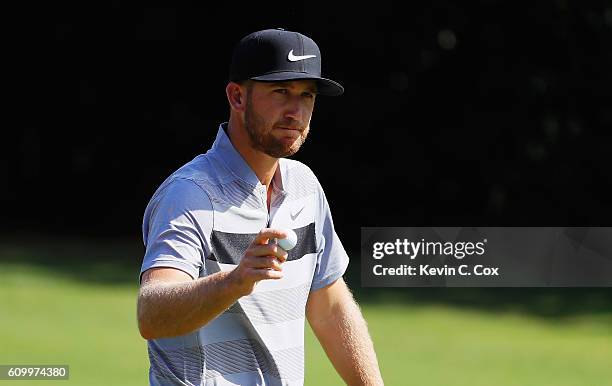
(226, 151)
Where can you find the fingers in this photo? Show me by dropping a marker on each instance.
(253, 269)
(265, 274)
(268, 250)
(268, 233)
(262, 262)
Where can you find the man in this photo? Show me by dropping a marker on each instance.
(220, 302)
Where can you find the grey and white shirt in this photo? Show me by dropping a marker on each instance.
(201, 220)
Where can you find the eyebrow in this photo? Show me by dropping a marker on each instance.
(312, 89)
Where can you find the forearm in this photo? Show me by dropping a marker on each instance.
(171, 309)
(345, 338)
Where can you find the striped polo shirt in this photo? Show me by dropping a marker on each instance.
(201, 220)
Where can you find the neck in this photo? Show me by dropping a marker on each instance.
(262, 164)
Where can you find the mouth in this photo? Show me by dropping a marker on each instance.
(288, 135)
(289, 132)
(288, 129)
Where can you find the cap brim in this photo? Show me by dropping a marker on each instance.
(325, 86)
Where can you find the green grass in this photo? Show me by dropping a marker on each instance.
(46, 317)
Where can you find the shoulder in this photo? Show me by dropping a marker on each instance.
(184, 190)
(192, 179)
(179, 195)
(298, 177)
(202, 168)
(295, 166)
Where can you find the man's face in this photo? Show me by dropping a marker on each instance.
(277, 116)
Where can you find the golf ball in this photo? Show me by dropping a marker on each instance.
(289, 242)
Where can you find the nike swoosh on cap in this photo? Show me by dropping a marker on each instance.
(294, 58)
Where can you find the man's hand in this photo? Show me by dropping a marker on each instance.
(261, 261)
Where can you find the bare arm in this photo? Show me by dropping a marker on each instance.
(338, 324)
(171, 303)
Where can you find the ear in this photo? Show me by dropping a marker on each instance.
(236, 96)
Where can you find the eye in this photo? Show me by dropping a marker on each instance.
(308, 94)
(282, 91)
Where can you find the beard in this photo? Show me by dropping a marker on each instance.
(261, 135)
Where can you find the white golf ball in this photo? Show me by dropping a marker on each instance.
(289, 242)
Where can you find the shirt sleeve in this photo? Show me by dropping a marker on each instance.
(332, 259)
(176, 227)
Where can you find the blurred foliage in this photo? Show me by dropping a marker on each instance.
(480, 113)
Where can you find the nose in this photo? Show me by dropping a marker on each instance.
(295, 109)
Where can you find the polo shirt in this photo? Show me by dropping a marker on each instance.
(201, 220)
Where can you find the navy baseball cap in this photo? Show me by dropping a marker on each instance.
(276, 55)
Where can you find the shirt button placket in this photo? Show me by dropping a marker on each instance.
(264, 200)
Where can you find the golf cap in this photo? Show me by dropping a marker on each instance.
(276, 55)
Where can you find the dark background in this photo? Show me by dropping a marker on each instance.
(482, 114)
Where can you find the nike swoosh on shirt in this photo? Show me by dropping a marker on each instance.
(294, 216)
(294, 58)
